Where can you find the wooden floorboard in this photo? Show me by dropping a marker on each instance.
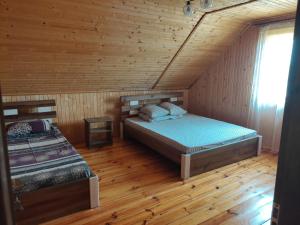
(138, 186)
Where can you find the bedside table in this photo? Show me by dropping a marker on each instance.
(98, 131)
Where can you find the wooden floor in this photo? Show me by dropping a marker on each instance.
(138, 186)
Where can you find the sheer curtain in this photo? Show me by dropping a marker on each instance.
(270, 82)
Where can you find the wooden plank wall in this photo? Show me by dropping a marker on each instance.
(55, 46)
(73, 108)
(87, 46)
(216, 33)
(224, 91)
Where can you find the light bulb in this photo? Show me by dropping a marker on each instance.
(187, 9)
(205, 4)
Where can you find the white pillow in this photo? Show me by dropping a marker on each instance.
(161, 118)
(173, 110)
(154, 111)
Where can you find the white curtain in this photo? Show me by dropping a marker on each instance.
(270, 82)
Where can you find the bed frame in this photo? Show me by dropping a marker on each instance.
(55, 201)
(194, 163)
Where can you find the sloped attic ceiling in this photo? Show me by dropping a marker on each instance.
(54, 46)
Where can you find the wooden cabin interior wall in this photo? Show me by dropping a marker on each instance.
(224, 91)
(86, 54)
(68, 46)
(55, 46)
(72, 108)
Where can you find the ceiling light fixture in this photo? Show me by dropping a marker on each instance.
(188, 9)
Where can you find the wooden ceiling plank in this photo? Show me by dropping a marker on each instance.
(191, 34)
(246, 14)
(109, 45)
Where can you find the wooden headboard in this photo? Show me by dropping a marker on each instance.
(28, 110)
(131, 104)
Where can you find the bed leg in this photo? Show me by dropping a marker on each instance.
(94, 192)
(185, 166)
(259, 145)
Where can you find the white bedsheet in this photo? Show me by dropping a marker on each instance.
(192, 133)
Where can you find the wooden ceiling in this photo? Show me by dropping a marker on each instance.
(216, 33)
(54, 46)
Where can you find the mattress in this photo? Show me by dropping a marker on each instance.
(192, 133)
(44, 160)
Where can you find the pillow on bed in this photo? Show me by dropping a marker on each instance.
(173, 110)
(20, 129)
(154, 111)
(147, 118)
(39, 126)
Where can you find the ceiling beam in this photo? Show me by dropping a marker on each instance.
(191, 34)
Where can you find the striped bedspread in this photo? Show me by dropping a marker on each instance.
(43, 160)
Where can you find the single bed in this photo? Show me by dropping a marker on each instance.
(44, 160)
(197, 143)
(49, 177)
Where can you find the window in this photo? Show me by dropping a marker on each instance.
(270, 82)
(277, 44)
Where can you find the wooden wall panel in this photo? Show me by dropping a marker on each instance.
(216, 33)
(63, 46)
(73, 108)
(224, 91)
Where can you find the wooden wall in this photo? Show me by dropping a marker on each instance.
(216, 33)
(57, 46)
(63, 46)
(77, 51)
(224, 91)
(73, 108)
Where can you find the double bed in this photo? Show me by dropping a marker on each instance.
(197, 143)
(49, 177)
